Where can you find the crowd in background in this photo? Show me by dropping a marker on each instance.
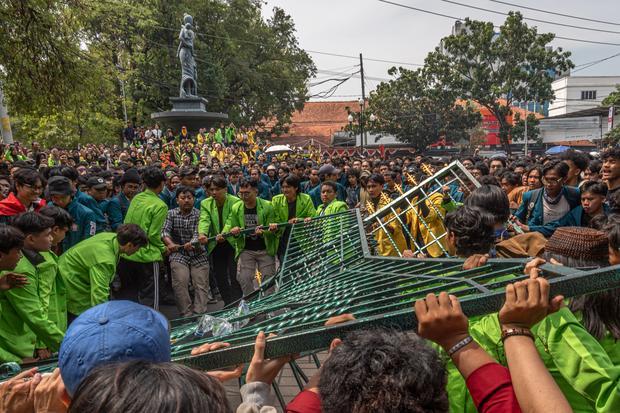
(196, 219)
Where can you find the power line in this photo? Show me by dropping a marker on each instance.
(593, 63)
(531, 18)
(556, 13)
(461, 18)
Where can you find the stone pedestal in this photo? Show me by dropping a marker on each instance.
(190, 112)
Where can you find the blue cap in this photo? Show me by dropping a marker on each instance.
(112, 332)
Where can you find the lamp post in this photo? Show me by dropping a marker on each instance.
(350, 119)
(361, 103)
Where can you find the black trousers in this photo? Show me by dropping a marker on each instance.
(225, 272)
(139, 282)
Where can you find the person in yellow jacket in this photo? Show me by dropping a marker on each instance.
(214, 213)
(426, 225)
(390, 239)
(218, 152)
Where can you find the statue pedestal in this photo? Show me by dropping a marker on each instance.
(190, 112)
(185, 104)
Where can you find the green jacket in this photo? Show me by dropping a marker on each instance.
(578, 363)
(23, 320)
(53, 293)
(149, 212)
(88, 269)
(209, 223)
(303, 209)
(236, 218)
(332, 208)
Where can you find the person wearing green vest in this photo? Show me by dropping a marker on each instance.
(88, 268)
(52, 288)
(23, 322)
(290, 206)
(139, 272)
(230, 134)
(11, 244)
(330, 204)
(214, 212)
(255, 251)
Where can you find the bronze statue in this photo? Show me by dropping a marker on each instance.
(189, 84)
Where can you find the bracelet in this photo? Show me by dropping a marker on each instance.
(509, 332)
(458, 346)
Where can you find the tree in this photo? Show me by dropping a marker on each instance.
(64, 64)
(416, 112)
(533, 131)
(496, 69)
(613, 99)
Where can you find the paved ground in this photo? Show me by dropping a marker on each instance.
(286, 381)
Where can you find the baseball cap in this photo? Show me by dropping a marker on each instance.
(112, 332)
(96, 182)
(328, 169)
(59, 185)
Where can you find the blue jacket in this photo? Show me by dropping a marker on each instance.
(90, 202)
(534, 208)
(112, 211)
(575, 217)
(122, 202)
(84, 224)
(315, 194)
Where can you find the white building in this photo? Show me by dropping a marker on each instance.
(577, 128)
(576, 93)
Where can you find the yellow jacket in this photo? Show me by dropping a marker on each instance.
(434, 225)
(385, 246)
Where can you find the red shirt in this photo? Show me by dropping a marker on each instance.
(490, 387)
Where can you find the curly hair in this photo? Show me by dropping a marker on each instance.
(383, 371)
(472, 229)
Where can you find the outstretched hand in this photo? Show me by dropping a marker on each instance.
(441, 319)
(221, 375)
(527, 303)
(262, 370)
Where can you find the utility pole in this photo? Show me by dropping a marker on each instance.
(5, 122)
(525, 128)
(362, 107)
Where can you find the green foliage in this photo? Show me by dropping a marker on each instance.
(613, 136)
(533, 131)
(417, 112)
(66, 61)
(613, 98)
(485, 66)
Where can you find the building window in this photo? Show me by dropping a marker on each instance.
(588, 95)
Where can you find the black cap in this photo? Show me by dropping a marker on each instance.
(59, 185)
(187, 171)
(96, 182)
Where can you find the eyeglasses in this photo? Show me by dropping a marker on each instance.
(34, 188)
(549, 181)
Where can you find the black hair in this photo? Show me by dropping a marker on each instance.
(60, 216)
(245, 182)
(472, 229)
(219, 181)
(611, 153)
(595, 166)
(580, 159)
(594, 187)
(482, 167)
(153, 177)
(489, 180)
(69, 172)
(377, 178)
(32, 223)
(131, 233)
(292, 180)
(502, 160)
(512, 178)
(183, 189)
(491, 199)
(557, 165)
(10, 238)
(27, 176)
(383, 371)
(142, 386)
(520, 164)
(353, 172)
(331, 184)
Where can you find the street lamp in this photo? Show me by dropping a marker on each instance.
(350, 119)
(372, 117)
(361, 103)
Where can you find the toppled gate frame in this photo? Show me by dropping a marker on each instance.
(328, 270)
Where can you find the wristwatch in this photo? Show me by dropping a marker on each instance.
(516, 331)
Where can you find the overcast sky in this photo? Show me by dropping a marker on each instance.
(386, 32)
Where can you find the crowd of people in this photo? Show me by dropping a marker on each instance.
(91, 238)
